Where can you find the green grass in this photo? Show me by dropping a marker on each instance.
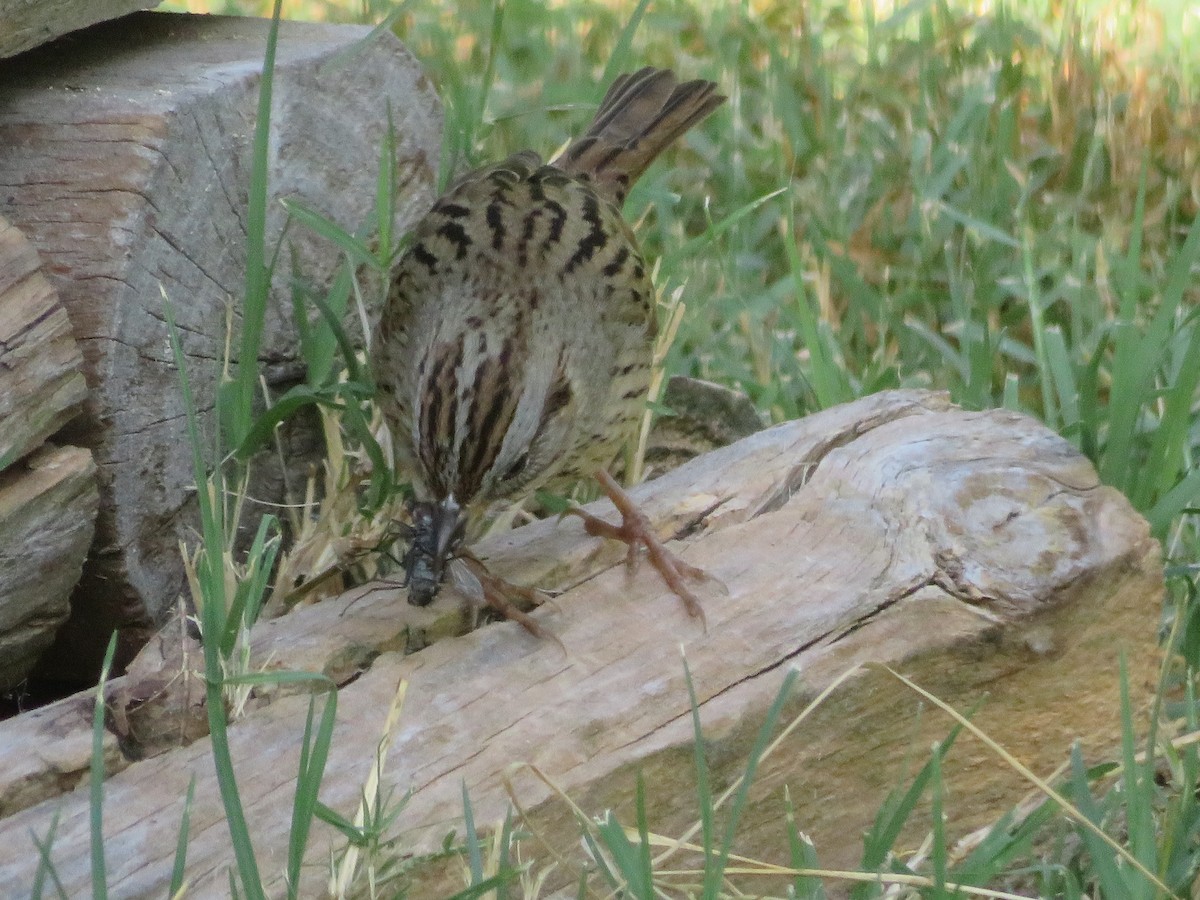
(985, 204)
(1000, 205)
(989, 204)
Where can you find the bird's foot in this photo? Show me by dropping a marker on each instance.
(637, 531)
(510, 600)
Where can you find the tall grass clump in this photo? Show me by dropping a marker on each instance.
(229, 585)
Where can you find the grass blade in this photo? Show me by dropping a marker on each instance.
(704, 795)
(45, 863)
(181, 843)
(1129, 381)
(474, 846)
(715, 871)
(314, 753)
(803, 856)
(631, 877)
(96, 778)
(258, 276)
(212, 618)
(618, 60)
(879, 841)
(322, 225)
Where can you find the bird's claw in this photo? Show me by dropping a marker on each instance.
(637, 532)
(500, 594)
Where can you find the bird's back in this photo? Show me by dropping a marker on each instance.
(515, 346)
(516, 343)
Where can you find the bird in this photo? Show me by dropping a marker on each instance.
(514, 348)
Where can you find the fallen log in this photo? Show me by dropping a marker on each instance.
(41, 369)
(47, 515)
(976, 552)
(47, 494)
(46, 752)
(25, 25)
(125, 159)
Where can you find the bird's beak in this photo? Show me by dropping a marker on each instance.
(447, 527)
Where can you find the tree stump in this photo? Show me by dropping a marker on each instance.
(976, 552)
(125, 158)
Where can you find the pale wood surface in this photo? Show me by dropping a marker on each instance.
(41, 369)
(977, 552)
(46, 752)
(125, 158)
(25, 24)
(47, 516)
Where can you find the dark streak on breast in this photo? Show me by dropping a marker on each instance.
(558, 218)
(528, 226)
(494, 397)
(495, 220)
(440, 412)
(558, 398)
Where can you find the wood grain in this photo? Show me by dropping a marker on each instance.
(41, 369)
(48, 495)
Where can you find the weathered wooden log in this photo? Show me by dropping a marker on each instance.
(25, 24)
(48, 495)
(47, 515)
(976, 552)
(125, 158)
(41, 369)
(47, 752)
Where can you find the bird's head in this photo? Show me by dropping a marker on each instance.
(437, 532)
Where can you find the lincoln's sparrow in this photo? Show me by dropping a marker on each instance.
(514, 350)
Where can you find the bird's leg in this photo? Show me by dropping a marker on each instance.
(496, 593)
(637, 531)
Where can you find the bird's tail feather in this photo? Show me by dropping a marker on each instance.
(640, 116)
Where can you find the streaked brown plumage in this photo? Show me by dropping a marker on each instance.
(514, 350)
